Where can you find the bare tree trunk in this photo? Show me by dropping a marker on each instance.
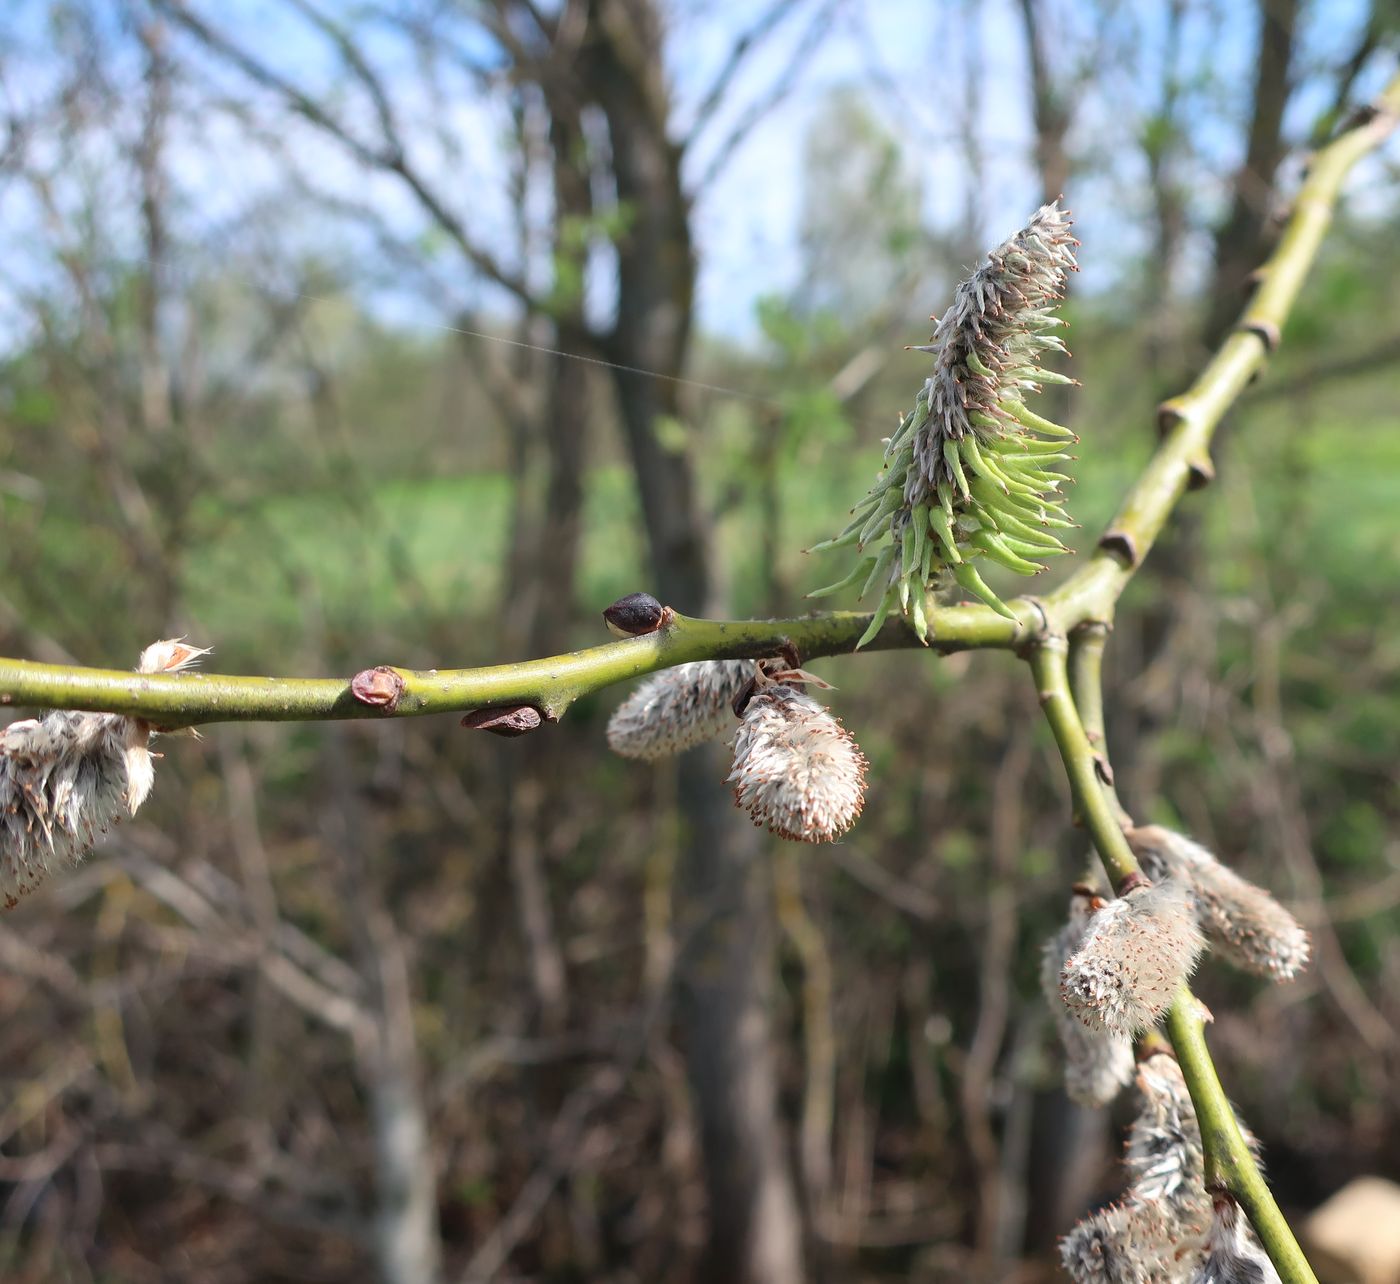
(724, 1001)
(1050, 109)
(1161, 146)
(755, 1232)
(1240, 242)
(656, 287)
(407, 1242)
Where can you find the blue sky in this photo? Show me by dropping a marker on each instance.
(906, 57)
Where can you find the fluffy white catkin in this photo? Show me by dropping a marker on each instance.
(678, 709)
(797, 770)
(1136, 952)
(66, 777)
(1097, 1063)
(1244, 924)
(1126, 1243)
(1233, 1255)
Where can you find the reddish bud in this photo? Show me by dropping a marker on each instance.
(380, 687)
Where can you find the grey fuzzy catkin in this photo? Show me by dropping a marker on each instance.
(67, 777)
(1158, 1232)
(797, 771)
(1244, 924)
(1126, 1243)
(678, 708)
(1232, 1253)
(1164, 1158)
(1098, 1063)
(1136, 952)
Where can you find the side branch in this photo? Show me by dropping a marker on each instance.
(1228, 1161)
(548, 685)
(1091, 804)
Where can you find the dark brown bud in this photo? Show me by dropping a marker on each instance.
(636, 614)
(379, 686)
(513, 720)
(1121, 545)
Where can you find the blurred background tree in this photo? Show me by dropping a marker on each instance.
(338, 334)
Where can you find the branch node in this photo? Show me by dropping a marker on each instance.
(1121, 545)
(1200, 473)
(1169, 415)
(1267, 332)
(1131, 881)
(380, 687)
(511, 721)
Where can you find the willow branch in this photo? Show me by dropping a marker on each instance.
(1189, 421)
(1083, 607)
(1050, 669)
(1086, 648)
(1229, 1165)
(550, 685)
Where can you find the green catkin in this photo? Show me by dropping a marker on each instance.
(968, 473)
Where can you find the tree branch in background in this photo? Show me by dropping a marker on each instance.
(783, 84)
(738, 55)
(1240, 243)
(390, 156)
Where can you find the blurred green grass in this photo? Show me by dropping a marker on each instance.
(1332, 493)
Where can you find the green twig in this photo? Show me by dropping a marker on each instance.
(1091, 804)
(549, 685)
(1229, 1164)
(1189, 421)
(1228, 1161)
(1086, 648)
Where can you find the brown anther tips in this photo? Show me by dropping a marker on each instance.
(1267, 331)
(380, 687)
(511, 721)
(1121, 545)
(637, 614)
